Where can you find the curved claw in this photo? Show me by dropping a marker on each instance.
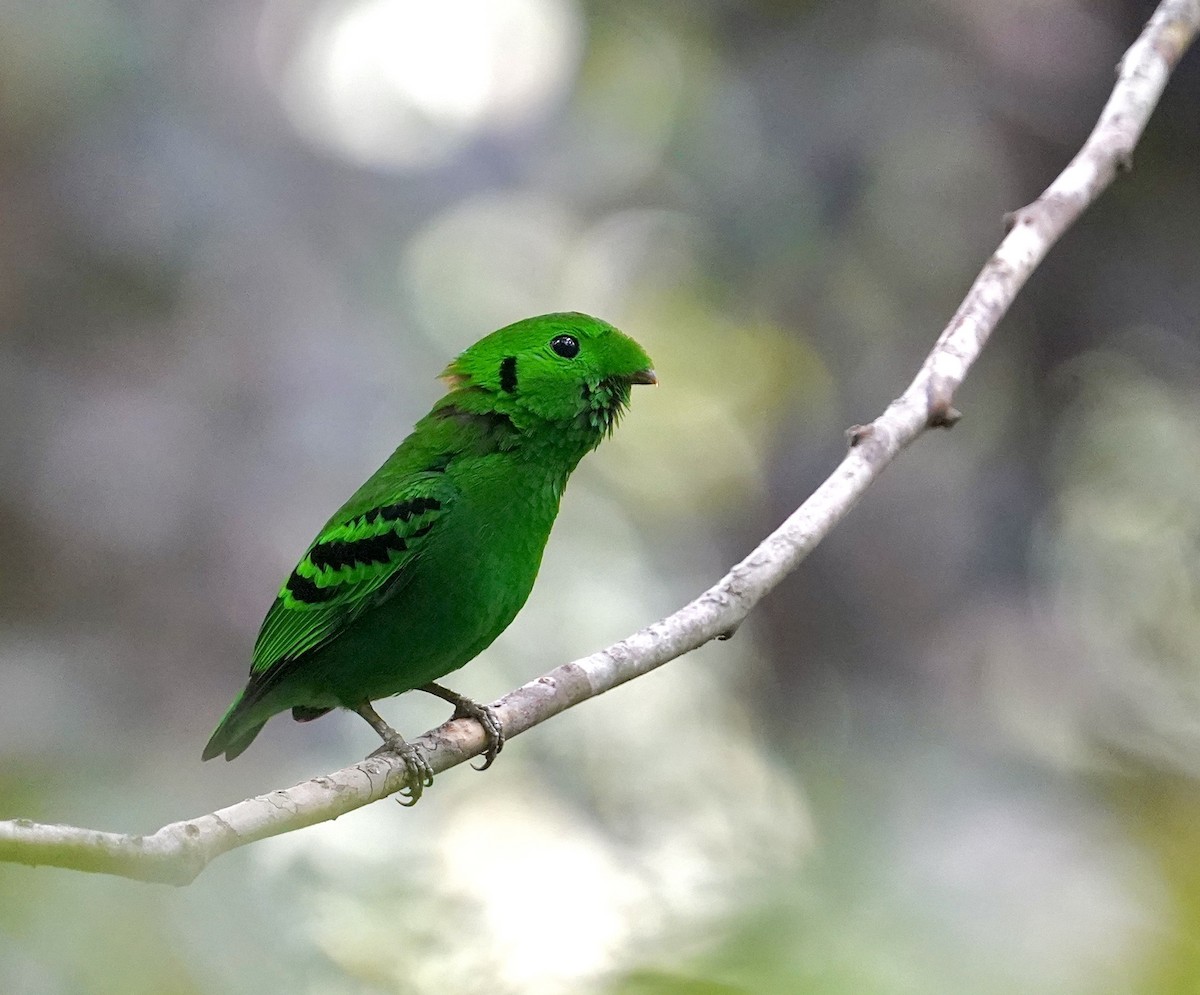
(493, 729)
(485, 715)
(420, 774)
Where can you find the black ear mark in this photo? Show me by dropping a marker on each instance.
(508, 374)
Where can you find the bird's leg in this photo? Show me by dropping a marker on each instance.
(420, 776)
(485, 715)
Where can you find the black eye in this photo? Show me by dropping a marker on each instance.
(566, 346)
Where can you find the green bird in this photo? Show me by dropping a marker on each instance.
(432, 558)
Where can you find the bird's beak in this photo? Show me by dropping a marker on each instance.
(644, 376)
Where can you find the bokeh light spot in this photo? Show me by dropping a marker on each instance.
(403, 84)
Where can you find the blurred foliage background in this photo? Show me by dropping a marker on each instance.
(957, 752)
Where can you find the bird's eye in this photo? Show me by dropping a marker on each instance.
(566, 346)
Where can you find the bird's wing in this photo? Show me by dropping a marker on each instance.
(349, 567)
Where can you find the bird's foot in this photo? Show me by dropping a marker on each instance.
(485, 715)
(420, 774)
(493, 730)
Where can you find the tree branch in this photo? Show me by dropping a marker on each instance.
(177, 852)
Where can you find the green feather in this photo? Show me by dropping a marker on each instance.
(347, 569)
(434, 555)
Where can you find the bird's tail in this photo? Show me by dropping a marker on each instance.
(235, 731)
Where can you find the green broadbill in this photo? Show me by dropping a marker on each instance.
(432, 558)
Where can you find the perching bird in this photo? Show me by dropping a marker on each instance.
(432, 558)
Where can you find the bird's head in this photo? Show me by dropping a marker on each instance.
(565, 368)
